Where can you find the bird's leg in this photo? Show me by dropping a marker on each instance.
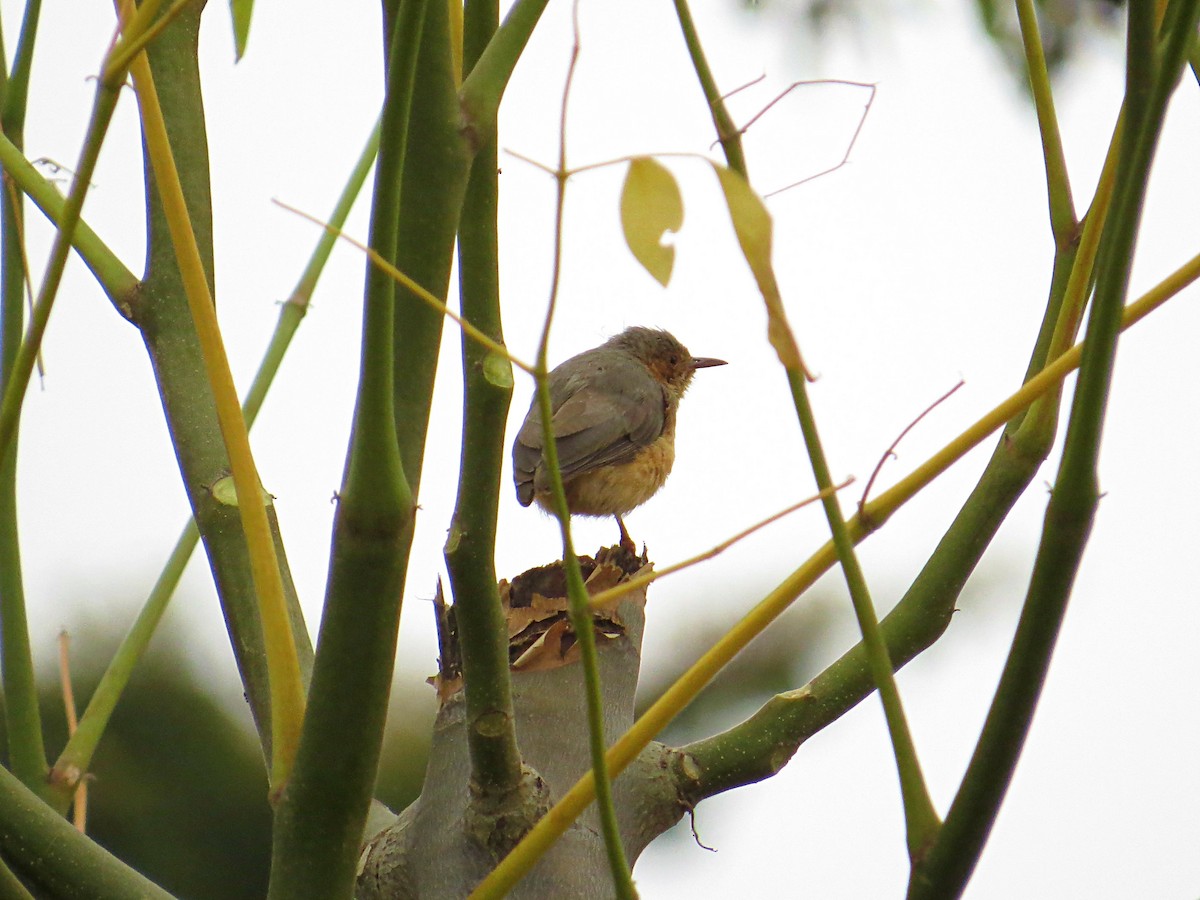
(626, 541)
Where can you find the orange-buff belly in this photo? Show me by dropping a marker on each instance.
(615, 490)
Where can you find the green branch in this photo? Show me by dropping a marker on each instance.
(159, 309)
(1151, 76)
(284, 678)
(919, 815)
(76, 757)
(26, 749)
(11, 886)
(16, 81)
(483, 88)
(875, 513)
(322, 812)
(433, 182)
(753, 227)
(115, 279)
(578, 607)
(46, 850)
(470, 545)
(27, 753)
(582, 623)
(1063, 222)
(728, 134)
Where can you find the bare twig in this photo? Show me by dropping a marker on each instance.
(853, 138)
(423, 294)
(606, 597)
(739, 89)
(891, 450)
(68, 693)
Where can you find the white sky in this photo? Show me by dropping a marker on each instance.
(925, 260)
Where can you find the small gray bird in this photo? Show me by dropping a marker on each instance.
(614, 425)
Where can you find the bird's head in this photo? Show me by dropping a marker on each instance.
(663, 355)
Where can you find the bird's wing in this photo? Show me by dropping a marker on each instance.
(603, 415)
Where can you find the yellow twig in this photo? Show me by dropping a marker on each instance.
(79, 816)
(283, 668)
(400, 278)
(684, 690)
(606, 597)
(137, 35)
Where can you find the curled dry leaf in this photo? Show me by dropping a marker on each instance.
(536, 609)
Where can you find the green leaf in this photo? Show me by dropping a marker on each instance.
(241, 10)
(651, 205)
(753, 227)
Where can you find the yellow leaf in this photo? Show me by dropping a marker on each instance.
(752, 225)
(651, 205)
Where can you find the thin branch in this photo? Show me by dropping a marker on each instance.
(577, 596)
(470, 549)
(433, 302)
(76, 757)
(701, 673)
(890, 453)
(113, 276)
(283, 666)
(920, 817)
(26, 271)
(729, 136)
(853, 138)
(68, 694)
(742, 87)
(1058, 184)
(610, 595)
(26, 748)
(753, 227)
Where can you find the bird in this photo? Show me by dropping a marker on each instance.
(613, 419)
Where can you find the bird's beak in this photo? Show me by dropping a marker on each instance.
(705, 362)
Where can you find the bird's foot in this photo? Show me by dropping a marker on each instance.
(626, 541)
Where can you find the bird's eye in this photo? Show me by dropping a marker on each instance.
(673, 359)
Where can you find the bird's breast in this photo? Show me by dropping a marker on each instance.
(616, 490)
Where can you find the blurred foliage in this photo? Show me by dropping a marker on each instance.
(786, 656)
(179, 789)
(813, 633)
(1066, 25)
(406, 743)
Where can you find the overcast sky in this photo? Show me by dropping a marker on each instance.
(924, 261)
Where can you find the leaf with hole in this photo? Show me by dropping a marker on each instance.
(651, 205)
